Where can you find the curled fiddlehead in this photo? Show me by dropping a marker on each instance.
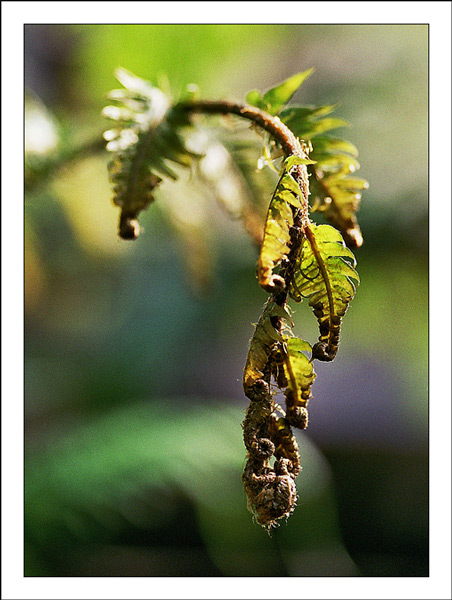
(280, 218)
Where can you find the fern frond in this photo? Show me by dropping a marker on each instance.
(145, 142)
(275, 245)
(326, 275)
(264, 341)
(297, 257)
(337, 194)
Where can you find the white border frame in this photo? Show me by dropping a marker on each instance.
(15, 586)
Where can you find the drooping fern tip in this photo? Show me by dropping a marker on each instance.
(154, 139)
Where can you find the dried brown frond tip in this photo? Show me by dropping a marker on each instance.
(270, 490)
(272, 495)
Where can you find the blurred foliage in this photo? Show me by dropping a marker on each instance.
(108, 324)
(167, 474)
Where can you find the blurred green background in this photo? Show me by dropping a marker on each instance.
(133, 375)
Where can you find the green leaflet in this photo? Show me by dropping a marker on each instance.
(337, 194)
(264, 342)
(275, 245)
(276, 98)
(328, 144)
(279, 96)
(326, 275)
(340, 205)
(144, 140)
(277, 228)
(309, 129)
(295, 114)
(297, 160)
(308, 122)
(298, 376)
